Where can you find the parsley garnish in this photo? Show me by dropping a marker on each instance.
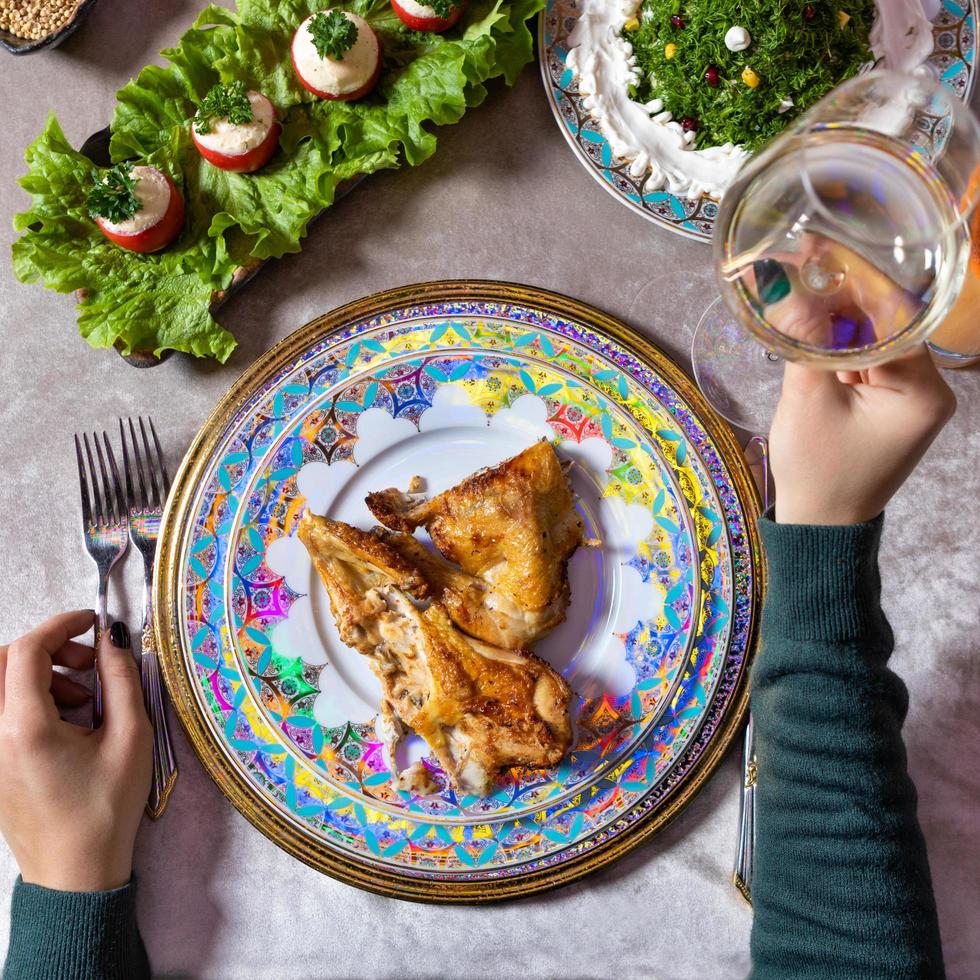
(114, 197)
(332, 34)
(443, 9)
(796, 55)
(223, 102)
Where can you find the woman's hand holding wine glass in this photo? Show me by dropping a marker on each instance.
(842, 444)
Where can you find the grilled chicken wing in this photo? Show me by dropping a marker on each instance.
(480, 708)
(511, 528)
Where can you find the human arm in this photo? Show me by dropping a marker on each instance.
(841, 884)
(70, 805)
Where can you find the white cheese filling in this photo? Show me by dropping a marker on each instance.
(648, 137)
(234, 139)
(153, 192)
(414, 9)
(343, 75)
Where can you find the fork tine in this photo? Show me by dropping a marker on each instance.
(157, 497)
(160, 460)
(144, 501)
(96, 499)
(83, 483)
(127, 469)
(130, 494)
(121, 511)
(107, 497)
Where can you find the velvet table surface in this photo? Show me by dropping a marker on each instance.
(503, 198)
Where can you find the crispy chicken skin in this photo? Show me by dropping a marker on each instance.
(481, 709)
(377, 562)
(472, 604)
(511, 528)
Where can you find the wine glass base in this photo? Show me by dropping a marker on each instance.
(949, 359)
(738, 376)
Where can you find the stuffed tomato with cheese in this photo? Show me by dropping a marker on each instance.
(236, 130)
(434, 18)
(137, 208)
(337, 55)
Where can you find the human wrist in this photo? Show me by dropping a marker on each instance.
(79, 876)
(823, 513)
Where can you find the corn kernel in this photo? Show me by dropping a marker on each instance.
(631, 25)
(670, 51)
(750, 77)
(842, 18)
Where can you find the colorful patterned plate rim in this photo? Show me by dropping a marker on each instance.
(953, 60)
(457, 374)
(450, 413)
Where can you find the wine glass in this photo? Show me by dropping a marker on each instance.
(843, 243)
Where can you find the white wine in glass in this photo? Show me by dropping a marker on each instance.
(843, 243)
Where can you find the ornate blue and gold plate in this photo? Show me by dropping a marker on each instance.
(438, 381)
(953, 60)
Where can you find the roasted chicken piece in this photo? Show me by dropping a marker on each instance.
(511, 528)
(481, 709)
(472, 604)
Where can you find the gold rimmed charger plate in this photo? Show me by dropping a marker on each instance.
(720, 718)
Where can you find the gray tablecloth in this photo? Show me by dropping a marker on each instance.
(504, 198)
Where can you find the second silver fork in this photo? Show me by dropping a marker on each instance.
(146, 493)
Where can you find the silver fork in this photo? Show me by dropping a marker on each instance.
(146, 498)
(105, 526)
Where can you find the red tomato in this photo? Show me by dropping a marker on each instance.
(435, 25)
(157, 236)
(242, 163)
(367, 87)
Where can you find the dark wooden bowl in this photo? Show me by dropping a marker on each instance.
(26, 45)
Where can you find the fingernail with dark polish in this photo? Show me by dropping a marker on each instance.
(771, 280)
(119, 634)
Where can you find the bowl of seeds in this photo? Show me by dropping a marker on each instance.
(32, 25)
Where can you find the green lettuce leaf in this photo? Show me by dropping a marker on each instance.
(161, 301)
(140, 302)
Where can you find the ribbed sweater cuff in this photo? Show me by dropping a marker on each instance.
(82, 935)
(823, 583)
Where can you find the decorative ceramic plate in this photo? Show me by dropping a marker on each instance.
(439, 381)
(953, 60)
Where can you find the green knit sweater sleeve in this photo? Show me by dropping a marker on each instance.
(74, 935)
(841, 885)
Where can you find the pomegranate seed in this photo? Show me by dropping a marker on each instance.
(688, 123)
(808, 12)
(711, 76)
(677, 21)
